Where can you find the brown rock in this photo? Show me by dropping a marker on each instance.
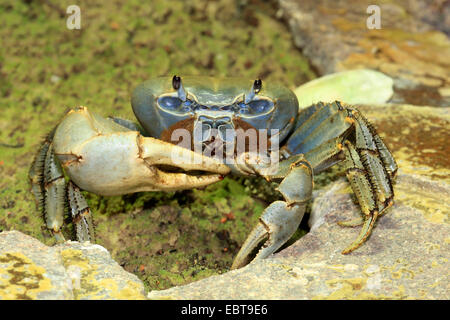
(408, 48)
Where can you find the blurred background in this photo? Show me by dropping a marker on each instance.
(174, 238)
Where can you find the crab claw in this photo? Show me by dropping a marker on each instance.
(280, 219)
(179, 168)
(277, 224)
(105, 158)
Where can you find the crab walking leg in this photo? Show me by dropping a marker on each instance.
(133, 126)
(36, 173)
(330, 133)
(55, 194)
(81, 214)
(371, 184)
(361, 185)
(369, 177)
(280, 219)
(370, 169)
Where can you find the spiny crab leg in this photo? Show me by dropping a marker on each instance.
(280, 219)
(81, 214)
(364, 170)
(330, 133)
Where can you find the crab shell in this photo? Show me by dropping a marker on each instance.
(214, 99)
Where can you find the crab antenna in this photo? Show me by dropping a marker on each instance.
(177, 85)
(256, 88)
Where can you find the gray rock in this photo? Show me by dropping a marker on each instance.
(30, 269)
(73, 270)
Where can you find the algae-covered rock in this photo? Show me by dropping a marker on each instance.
(407, 255)
(73, 270)
(361, 86)
(30, 269)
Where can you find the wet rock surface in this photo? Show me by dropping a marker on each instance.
(411, 46)
(406, 257)
(73, 270)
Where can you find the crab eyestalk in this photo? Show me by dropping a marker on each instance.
(178, 85)
(256, 88)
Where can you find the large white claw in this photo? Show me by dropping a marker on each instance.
(105, 158)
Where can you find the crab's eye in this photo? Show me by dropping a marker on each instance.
(260, 106)
(176, 105)
(170, 103)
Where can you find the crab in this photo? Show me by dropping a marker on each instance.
(217, 121)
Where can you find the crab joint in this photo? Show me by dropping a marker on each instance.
(350, 120)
